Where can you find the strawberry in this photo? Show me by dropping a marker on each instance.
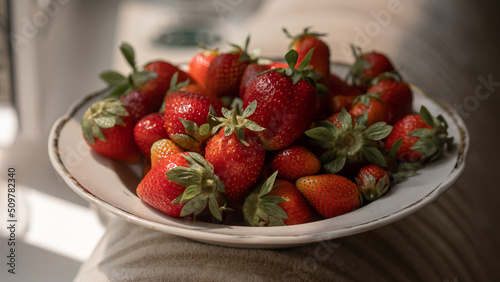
(330, 194)
(148, 130)
(373, 182)
(183, 184)
(162, 149)
(419, 137)
(140, 103)
(224, 73)
(352, 143)
(198, 66)
(288, 102)
(251, 72)
(396, 95)
(376, 109)
(109, 130)
(164, 72)
(277, 202)
(305, 42)
(338, 86)
(236, 152)
(367, 67)
(295, 162)
(336, 103)
(185, 114)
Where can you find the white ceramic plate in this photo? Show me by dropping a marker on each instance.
(110, 185)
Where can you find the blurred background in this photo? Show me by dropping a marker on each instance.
(51, 52)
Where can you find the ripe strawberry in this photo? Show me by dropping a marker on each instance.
(305, 42)
(108, 130)
(185, 114)
(338, 86)
(162, 149)
(396, 95)
(295, 162)
(330, 194)
(140, 103)
(288, 102)
(373, 182)
(352, 143)
(423, 137)
(183, 184)
(236, 153)
(367, 67)
(161, 83)
(198, 66)
(224, 73)
(376, 109)
(148, 130)
(251, 72)
(277, 202)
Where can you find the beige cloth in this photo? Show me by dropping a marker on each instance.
(444, 47)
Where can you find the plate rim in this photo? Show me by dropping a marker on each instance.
(259, 240)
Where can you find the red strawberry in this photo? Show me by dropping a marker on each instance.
(236, 153)
(367, 67)
(423, 137)
(225, 72)
(305, 42)
(250, 74)
(376, 109)
(185, 112)
(288, 102)
(164, 72)
(162, 149)
(338, 86)
(198, 66)
(140, 103)
(109, 130)
(277, 202)
(295, 162)
(148, 130)
(396, 95)
(183, 184)
(352, 143)
(373, 182)
(330, 194)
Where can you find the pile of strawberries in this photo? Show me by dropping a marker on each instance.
(243, 140)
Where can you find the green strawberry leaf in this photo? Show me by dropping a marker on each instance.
(214, 207)
(374, 156)
(250, 109)
(395, 147)
(121, 90)
(268, 184)
(113, 78)
(378, 131)
(291, 58)
(321, 134)
(335, 165)
(128, 53)
(345, 119)
(306, 60)
(141, 77)
(427, 117)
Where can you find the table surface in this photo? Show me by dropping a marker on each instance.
(447, 48)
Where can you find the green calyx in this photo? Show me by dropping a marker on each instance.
(351, 143)
(365, 98)
(203, 187)
(260, 208)
(124, 84)
(305, 32)
(102, 114)
(355, 75)
(370, 188)
(194, 137)
(234, 123)
(431, 141)
(303, 71)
